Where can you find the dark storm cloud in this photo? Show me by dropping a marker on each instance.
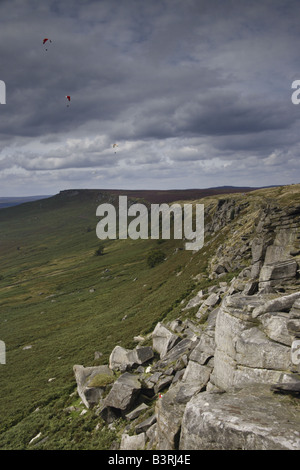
(197, 81)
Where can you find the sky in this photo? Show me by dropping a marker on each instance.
(195, 93)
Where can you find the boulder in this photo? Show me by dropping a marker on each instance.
(89, 394)
(145, 425)
(151, 437)
(241, 306)
(123, 394)
(170, 407)
(228, 373)
(251, 288)
(292, 388)
(136, 412)
(275, 327)
(278, 271)
(195, 301)
(248, 419)
(149, 382)
(276, 254)
(124, 359)
(168, 415)
(219, 269)
(254, 349)
(164, 382)
(293, 324)
(186, 390)
(278, 304)
(212, 300)
(255, 269)
(182, 347)
(295, 310)
(295, 355)
(163, 339)
(135, 442)
(178, 376)
(141, 355)
(204, 349)
(202, 312)
(119, 358)
(258, 249)
(196, 374)
(176, 325)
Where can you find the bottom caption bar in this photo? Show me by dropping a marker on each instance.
(142, 459)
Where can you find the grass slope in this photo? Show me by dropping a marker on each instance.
(62, 303)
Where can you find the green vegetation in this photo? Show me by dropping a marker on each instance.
(155, 257)
(101, 380)
(100, 251)
(62, 303)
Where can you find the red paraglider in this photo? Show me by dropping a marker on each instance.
(46, 40)
(69, 99)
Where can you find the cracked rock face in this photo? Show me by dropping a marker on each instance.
(248, 419)
(244, 352)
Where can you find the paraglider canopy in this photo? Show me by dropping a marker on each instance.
(45, 40)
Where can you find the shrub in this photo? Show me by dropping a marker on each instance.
(155, 257)
(99, 251)
(101, 380)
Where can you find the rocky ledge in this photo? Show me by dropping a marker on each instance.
(227, 378)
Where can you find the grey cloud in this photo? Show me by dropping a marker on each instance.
(173, 82)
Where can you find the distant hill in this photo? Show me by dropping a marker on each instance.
(14, 201)
(152, 196)
(167, 196)
(157, 196)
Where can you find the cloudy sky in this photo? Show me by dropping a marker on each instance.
(196, 93)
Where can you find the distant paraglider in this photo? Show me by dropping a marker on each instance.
(46, 41)
(115, 146)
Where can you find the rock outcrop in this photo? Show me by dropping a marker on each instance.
(247, 419)
(229, 377)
